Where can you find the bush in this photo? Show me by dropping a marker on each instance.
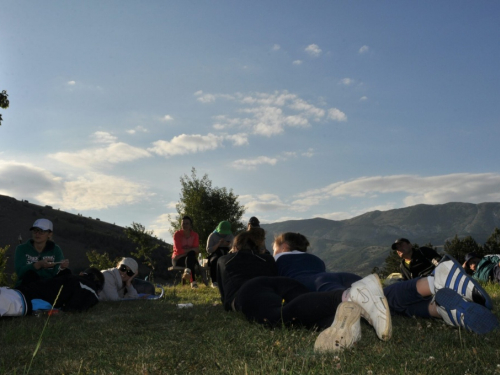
(3, 264)
(101, 261)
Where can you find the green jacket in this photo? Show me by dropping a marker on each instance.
(485, 267)
(26, 255)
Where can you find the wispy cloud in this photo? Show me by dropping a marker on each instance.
(167, 118)
(103, 137)
(101, 157)
(137, 129)
(71, 83)
(363, 49)
(346, 81)
(269, 114)
(276, 47)
(457, 187)
(363, 98)
(186, 144)
(262, 202)
(313, 50)
(253, 163)
(297, 62)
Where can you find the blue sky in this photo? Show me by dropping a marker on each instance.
(305, 109)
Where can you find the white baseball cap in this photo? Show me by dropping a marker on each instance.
(43, 224)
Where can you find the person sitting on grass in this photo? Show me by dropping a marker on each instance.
(485, 268)
(248, 283)
(411, 298)
(39, 255)
(186, 249)
(118, 281)
(65, 291)
(415, 262)
(219, 243)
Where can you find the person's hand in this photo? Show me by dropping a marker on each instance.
(43, 264)
(129, 281)
(464, 266)
(64, 264)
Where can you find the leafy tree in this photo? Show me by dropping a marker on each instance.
(492, 245)
(4, 102)
(3, 264)
(146, 243)
(207, 206)
(101, 261)
(391, 264)
(457, 247)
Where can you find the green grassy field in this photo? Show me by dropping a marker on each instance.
(155, 337)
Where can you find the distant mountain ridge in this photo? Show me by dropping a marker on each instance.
(363, 242)
(354, 245)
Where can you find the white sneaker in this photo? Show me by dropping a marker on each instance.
(194, 285)
(344, 332)
(368, 294)
(450, 274)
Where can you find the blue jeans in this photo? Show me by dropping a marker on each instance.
(404, 299)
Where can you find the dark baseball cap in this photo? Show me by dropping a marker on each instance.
(397, 242)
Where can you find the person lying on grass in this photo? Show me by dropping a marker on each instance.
(486, 268)
(248, 282)
(65, 291)
(460, 303)
(118, 281)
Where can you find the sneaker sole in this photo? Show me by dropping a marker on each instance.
(470, 315)
(340, 335)
(458, 280)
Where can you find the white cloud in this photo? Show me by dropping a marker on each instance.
(363, 98)
(364, 49)
(335, 114)
(71, 83)
(167, 118)
(198, 93)
(276, 47)
(103, 137)
(297, 62)
(457, 187)
(346, 81)
(238, 139)
(313, 50)
(309, 153)
(206, 98)
(335, 215)
(186, 144)
(161, 226)
(137, 129)
(253, 163)
(269, 114)
(91, 191)
(101, 157)
(262, 203)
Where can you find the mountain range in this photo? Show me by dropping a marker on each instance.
(353, 245)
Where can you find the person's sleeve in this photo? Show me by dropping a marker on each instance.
(58, 256)
(20, 263)
(131, 292)
(109, 292)
(210, 243)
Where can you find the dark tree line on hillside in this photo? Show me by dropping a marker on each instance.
(457, 248)
(4, 102)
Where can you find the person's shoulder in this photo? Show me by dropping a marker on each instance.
(427, 250)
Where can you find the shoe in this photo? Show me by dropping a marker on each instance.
(457, 311)
(344, 332)
(450, 274)
(369, 295)
(194, 285)
(215, 285)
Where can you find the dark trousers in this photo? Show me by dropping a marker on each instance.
(280, 300)
(404, 299)
(188, 261)
(212, 261)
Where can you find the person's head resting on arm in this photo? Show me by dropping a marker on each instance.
(289, 241)
(128, 268)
